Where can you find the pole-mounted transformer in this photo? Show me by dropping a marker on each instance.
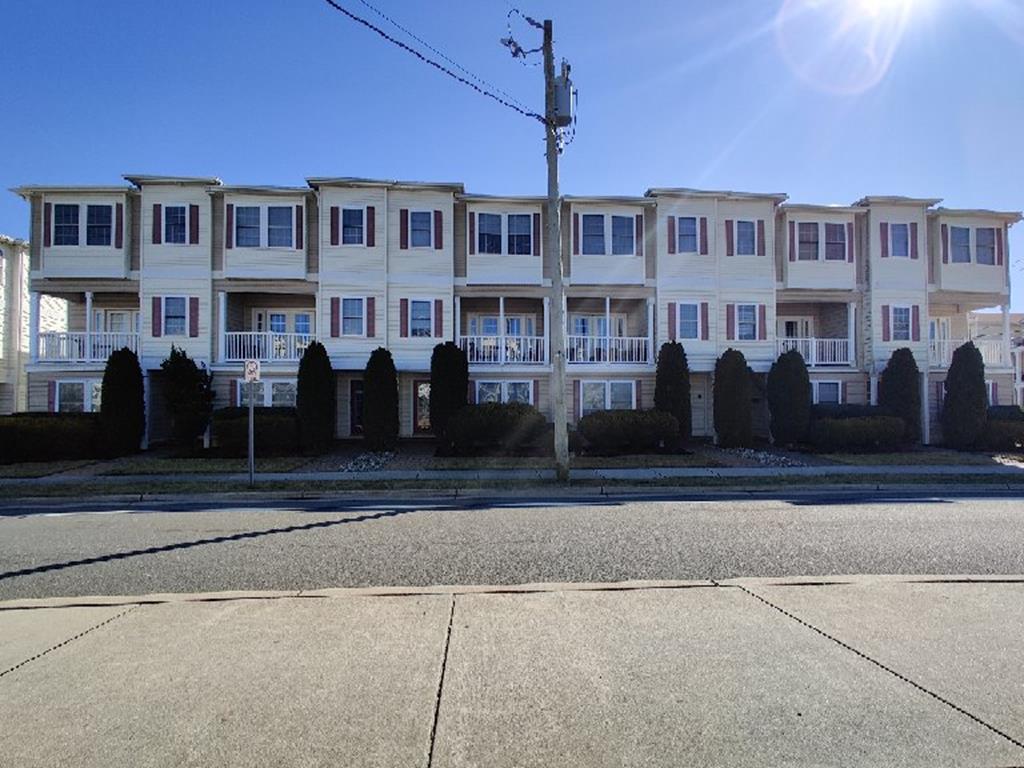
(565, 95)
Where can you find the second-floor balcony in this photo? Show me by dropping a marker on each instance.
(993, 352)
(265, 346)
(505, 350)
(819, 352)
(635, 350)
(82, 346)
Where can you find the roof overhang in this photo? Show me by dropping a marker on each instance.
(1011, 217)
(814, 208)
(270, 191)
(917, 202)
(722, 194)
(608, 200)
(27, 191)
(349, 181)
(202, 181)
(507, 199)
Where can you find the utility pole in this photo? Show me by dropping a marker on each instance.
(553, 246)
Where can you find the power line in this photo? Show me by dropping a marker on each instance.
(431, 62)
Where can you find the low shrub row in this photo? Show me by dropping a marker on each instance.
(49, 437)
(857, 433)
(1000, 435)
(497, 428)
(276, 431)
(612, 433)
(1005, 413)
(847, 411)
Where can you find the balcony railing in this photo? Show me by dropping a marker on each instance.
(82, 347)
(608, 349)
(265, 345)
(504, 350)
(993, 352)
(817, 352)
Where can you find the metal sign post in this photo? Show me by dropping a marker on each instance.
(252, 378)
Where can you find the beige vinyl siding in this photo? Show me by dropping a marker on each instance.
(266, 262)
(61, 261)
(607, 269)
(35, 246)
(700, 354)
(820, 274)
(504, 269)
(217, 231)
(692, 270)
(133, 232)
(172, 261)
(992, 279)
(155, 350)
(351, 352)
(353, 264)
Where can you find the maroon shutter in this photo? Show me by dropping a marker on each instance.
(883, 229)
(728, 237)
(849, 241)
(403, 318)
(576, 399)
(371, 226)
(671, 234)
(47, 224)
(939, 385)
(471, 393)
(438, 230)
(157, 313)
(761, 250)
(639, 235)
(536, 393)
(945, 243)
(703, 235)
(193, 316)
(193, 225)
(51, 396)
(438, 318)
(999, 246)
(762, 322)
(638, 390)
(472, 232)
(371, 317)
(157, 223)
(335, 225)
(229, 226)
(403, 228)
(335, 317)
(844, 395)
(913, 239)
(730, 321)
(119, 225)
(995, 393)
(885, 322)
(915, 323)
(575, 234)
(705, 331)
(672, 324)
(792, 241)
(234, 392)
(298, 228)
(536, 235)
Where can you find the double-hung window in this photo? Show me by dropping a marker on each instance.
(279, 226)
(175, 225)
(960, 244)
(827, 392)
(686, 234)
(900, 235)
(351, 226)
(901, 323)
(689, 321)
(175, 322)
(352, 317)
(746, 238)
(65, 224)
(520, 234)
(592, 225)
(504, 392)
(98, 224)
(807, 249)
(79, 396)
(605, 395)
(835, 242)
(985, 245)
(247, 226)
(421, 321)
(746, 322)
(489, 233)
(421, 229)
(622, 236)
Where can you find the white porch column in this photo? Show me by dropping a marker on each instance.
(851, 333)
(607, 328)
(33, 327)
(873, 394)
(1007, 349)
(222, 321)
(547, 329)
(146, 391)
(926, 422)
(651, 352)
(501, 330)
(89, 352)
(458, 320)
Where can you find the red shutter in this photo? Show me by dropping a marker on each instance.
(403, 318)
(193, 225)
(915, 323)
(438, 230)
(51, 394)
(335, 317)
(639, 234)
(762, 322)
(671, 234)
(403, 228)
(371, 226)
(849, 241)
(157, 223)
(576, 399)
(157, 316)
(536, 393)
(233, 392)
(229, 226)
(913, 239)
(792, 241)
(119, 225)
(638, 390)
(193, 316)
(438, 318)
(672, 324)
(298, 228)
(999, 246)
(945, 243)
(471, 393)
(335, 225)
(728, 237)
(760, 238)
(730, 321)
(371, 317)
(703, 235)
(575, 234)
(705, 331)
(47, 224)
(536, 234)
(885, 322)
(883, 230)
(472, 232)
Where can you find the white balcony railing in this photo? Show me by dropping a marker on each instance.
(607, 349)
(82, 347)
(818, 352)
(504, 350)
(265, 345)
(993, 352)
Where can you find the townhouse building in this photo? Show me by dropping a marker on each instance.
(230, 273)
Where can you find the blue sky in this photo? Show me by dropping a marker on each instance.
(738, 94)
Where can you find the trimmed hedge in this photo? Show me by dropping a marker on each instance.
(1002, 435)
(380, 401)
(277, 431)
(732, 392)
(965, 406)
(495, 428)
(789, 398)
(672, 386)
(49, 437)
(1005, 413)
(622, 432)
(863, 433)
(899, 391)
(847, 411)
(122, 404)
(316, 400)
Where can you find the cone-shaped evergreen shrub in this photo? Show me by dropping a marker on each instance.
(732, 393)
(122, 404)
(380, 401)
(899, 392)
(964, 408)
(789, 398)
(449, 384)
(189, 397)
(316, 399)
(672, 386)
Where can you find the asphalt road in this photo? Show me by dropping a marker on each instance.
(73, 550)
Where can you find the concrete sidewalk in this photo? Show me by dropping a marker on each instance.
(861, 671)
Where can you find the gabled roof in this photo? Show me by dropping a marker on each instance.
(349, 181)
(725, 194)
(139, 179)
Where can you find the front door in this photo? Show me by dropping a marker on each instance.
(794, 327)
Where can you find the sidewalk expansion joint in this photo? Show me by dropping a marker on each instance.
(71, 639)
(884, 667)
(440, 682)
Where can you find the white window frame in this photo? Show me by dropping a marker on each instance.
(507, 232)
(605, 234)
(952, 246)
(265, 226)
(679, 320)
(818, 255)
(815, 384)
(163, 318)
(989, 384)
(607, 229)
(757, 320)
(607, 383)
(892, 322)
(736, 236)
(502, 228)
(163, 224)
(362, 304)
(267, 388)
(86, 206)
(430, 229)
(977, 250)
(503, 389)
(696, 235)
(53, 227)
(87, 389)
(474, 322)
(892, 239)
(824, 240)
(631, 218)
(618, 319)
(290, 314)
(780, 325)
(265, 223)
(341, 226)
(430, 303)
